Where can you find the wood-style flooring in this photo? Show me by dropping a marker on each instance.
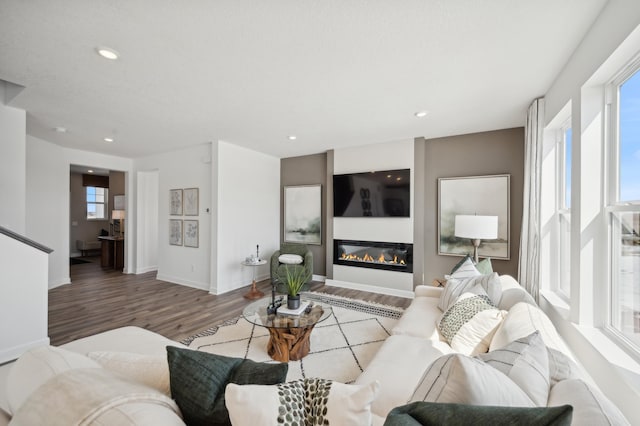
(102, 299)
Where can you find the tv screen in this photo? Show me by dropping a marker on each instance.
(372, 194)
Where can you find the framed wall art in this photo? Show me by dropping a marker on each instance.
(190, 201)
(175, 202)
(481, 195)
(175, 232)
(191, 231)
(303, 214)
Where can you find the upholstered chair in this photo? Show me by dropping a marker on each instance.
(278, 268)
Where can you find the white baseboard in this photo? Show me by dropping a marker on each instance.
(58, 283)
(181, 281)
(13, 353)
(146, 269)
(370, 288)
(320, 278)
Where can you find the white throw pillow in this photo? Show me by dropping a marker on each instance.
(465, 270)
(38, 365)
(459, 379)
(590, 406)
(526, 362)
(290, 259)
(469, 324)
(561, 367)
(151, 370)
(455, 288)
(322, 400)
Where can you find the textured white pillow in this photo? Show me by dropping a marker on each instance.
(325, 400)
(290, 259)
(38, 365)
(455, 288)
(459, 379)
(470, 323)
(590, 406)
(526, 362)
(151, 370)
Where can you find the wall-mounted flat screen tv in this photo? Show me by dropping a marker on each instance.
(384, 193)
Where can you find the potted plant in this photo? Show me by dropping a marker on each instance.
(295, 278)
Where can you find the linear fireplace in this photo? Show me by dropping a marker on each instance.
(374, 254)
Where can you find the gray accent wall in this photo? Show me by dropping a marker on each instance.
(477, 154)
(307, 170)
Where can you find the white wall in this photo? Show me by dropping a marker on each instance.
(12, 166)
(23, 298)
(610, 43)
(147, 221)
(186, 168)
(248, 191)
(383, 156)
(48, 198)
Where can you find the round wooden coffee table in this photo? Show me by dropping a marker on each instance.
(288, 334)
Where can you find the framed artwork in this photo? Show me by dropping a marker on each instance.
(190, 201)
(191, 230)
(119, 202)
(175, 202)
(481, 195)
(175, 232)
(303, 214)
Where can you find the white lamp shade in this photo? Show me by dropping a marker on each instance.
(476, 227)
(117, 214)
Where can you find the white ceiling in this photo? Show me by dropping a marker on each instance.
(335, 73)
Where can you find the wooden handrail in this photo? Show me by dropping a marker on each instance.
(24, 240)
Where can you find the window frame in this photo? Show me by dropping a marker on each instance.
(105, 204)
(563, 213)
(613, 205)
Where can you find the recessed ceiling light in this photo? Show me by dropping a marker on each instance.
(108, 139)
(60, 129)
(89, 171)
(107, 53)
(292, 137)
(421, 114)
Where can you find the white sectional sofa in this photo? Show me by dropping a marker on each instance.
(402, 365)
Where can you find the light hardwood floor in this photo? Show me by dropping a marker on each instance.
(100, 299)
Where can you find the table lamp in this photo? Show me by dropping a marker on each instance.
(476, 228)
(118, 214)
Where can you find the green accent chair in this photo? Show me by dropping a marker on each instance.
(278, 271)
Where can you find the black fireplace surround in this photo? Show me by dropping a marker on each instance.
(374, 254)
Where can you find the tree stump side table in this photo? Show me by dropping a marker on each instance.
(288, 334)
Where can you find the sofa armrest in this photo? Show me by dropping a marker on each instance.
(427, 291)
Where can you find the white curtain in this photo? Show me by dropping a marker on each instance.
(529, 260)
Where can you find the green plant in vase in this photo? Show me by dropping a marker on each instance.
(295, 278)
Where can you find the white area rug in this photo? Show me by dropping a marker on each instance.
(341, 346)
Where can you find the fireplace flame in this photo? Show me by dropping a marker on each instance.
(368, 258)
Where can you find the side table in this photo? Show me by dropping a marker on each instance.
(254, 293)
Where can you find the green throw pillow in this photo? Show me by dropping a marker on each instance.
(484, 266)
(430, 413)
(198, 381)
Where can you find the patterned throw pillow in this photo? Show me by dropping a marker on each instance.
(526, 362)
(470, 323)
(455, 287)
(302, 402)
(464, 269)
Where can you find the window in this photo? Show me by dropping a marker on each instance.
(564, 210)
(624, 207)
(96, 203)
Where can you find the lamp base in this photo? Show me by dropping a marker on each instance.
(476, 244)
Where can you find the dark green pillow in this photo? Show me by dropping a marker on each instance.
(198, 381)
(431, 413)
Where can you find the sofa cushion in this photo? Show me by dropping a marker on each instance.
(460, 379)
(430, 413)
(522, 320)
(526, 362)
(409, 357)
(590, 406)
(305, 401)
(455, 287)
(38, 365)
(152, 370)
(561, 367)
(512, 293)
(469, 324)
(420, 319)
(96, 396)
(198, 380)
